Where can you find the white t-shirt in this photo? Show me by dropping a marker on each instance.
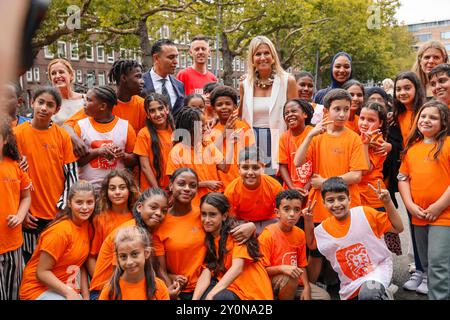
(68, 109)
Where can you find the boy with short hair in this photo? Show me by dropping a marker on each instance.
(440, 83)
(284, 247)
(352, 240)
(334, 150)
(229, 131)
(252, 195)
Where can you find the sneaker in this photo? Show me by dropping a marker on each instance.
(423, 287)
(391, 291)
(414, 281)
(412, 267)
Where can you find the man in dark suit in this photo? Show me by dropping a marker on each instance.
(160, 77)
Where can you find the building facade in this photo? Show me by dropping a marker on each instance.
(434, 30)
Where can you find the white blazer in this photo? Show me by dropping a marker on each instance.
(278, 98)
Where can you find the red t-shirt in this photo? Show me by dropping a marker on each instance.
(194, 81)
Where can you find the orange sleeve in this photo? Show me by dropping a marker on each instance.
(171, 164)
(378, 220)
(265, 245)
(131, 139)
(68, 154)
(25, 181)
(404, 165)
(55, 244)
(77, 129)
(229, 194)
(162, 292)
(240, 251)
(105, 292)
(158, 245)
(72, 121)
(302, 261)
(357, 158)
(97, 240)
(142, 145)
(311, 150)
(282, 151)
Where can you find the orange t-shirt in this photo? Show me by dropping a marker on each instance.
(253, 283)
(68, 244)
(181, 240)
(106, 259)
(104, 223)
(108, 127)
(283, 248)
(287, 148)
(405, 121)
(12, 182)
(353, 124)
(333, 156)
(368, 196)
(143, 148)
(378, 220)
(203, 162)
(245, 138)
(428, 178)
(137, 291)
(47, 152)
(253, 205)
(133, 111)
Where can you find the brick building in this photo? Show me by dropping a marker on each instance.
(434, 30)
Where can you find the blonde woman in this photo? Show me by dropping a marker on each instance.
(263, 93)
(61, 76)
(430, 54)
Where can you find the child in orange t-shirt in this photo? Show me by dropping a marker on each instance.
(179, 241)
(229, 131)
(357, 92)
(252, 195)
(193, 152)
(334, 150)
(52, 164)
(284, 247)
(148, 213)
(424, 184)
(134, 278)
(117, 197)
(15, 190)
(232, 271)
(195, 100)
(352, 240)
(440, 83)
(56, 271)
(110, 139)
(297, 115)
(153, 143)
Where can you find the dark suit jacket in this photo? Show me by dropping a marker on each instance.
(177, 85)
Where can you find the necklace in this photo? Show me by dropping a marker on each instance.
(264, 84)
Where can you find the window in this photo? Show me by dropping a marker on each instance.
(234, 82)
(37, 77)
(447, 46)
(62, 49)
(110, 57)
(238, 64)
(242, 65)
(74, 51)
(30, 75)
(183, 60)
(164, 31)
(123, 53)
(89, 53)
(221, 63)
(445, 35)
(189, 63)
(210, 62)
(79, 74)
(101, 78)
(423, 37)
(100, 54)
(47, 53)
(90, 79)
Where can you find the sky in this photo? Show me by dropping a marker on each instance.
(413, 11)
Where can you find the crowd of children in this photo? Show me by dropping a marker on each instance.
(124, 202)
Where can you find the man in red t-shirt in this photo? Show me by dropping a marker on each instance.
(196, 76)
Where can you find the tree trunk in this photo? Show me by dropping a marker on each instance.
(145, 44)
(227, 56)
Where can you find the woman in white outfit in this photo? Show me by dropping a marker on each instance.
(61, 76)
(263, 93)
